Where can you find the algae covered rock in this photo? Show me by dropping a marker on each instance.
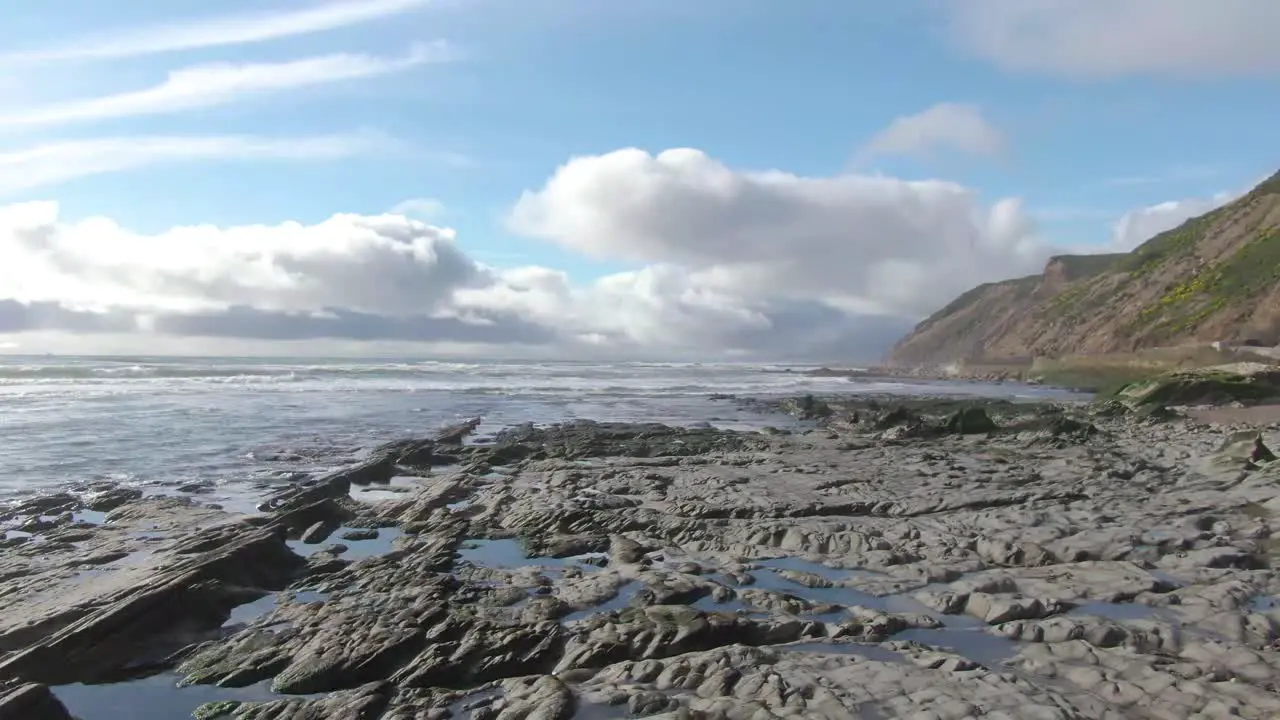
(1110, 408)
(898, 416)
(1239, 382)
(970, 421)
(1071, 429)
(902, 423)
(807, 408)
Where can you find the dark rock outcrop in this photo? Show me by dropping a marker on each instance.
(123, 636)
(31, 701)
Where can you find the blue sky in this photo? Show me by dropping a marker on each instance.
(474, 103)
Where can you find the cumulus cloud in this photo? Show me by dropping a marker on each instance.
(1137, 226)
(387, 265)
(20, 317)
(218, 31)
(57, 162)
(864, 244)
(216, 84)
(726, 263)
(385, 278)
(956, 127)
(1096, 38)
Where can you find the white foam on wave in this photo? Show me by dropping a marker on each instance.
(70, 420)
(498, 378)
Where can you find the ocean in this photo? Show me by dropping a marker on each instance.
(236, 426)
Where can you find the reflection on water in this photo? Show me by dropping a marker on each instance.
(356, 549)
(153, 698)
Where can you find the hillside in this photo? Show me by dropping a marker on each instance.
(1215, 277)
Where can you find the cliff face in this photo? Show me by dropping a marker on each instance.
(1215, 277)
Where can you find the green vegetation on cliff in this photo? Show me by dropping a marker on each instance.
(1243, 382)
(1086, 266)
(1214, 277)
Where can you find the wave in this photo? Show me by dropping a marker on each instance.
(85, 371)
(448, 374)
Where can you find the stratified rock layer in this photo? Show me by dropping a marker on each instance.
(906, 559)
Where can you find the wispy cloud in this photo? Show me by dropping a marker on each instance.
(59, 162)
(420, 208)
(947, 126)
(217, 31)
(1179, 173)
(1069, 213)
(222, 83)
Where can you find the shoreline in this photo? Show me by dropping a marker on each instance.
(993, 551)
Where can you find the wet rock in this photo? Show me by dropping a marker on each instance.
(562, 546)
(779, 603)
(365, 703)
(320, 531)
(536, 698)
(44, 505)
(109, 499)
(996, 609)
(1245, 447)
(191, 595)
(807, 408)
(584, 438)
(454, 434)
(625, 551)
(1239, 382)
(483, 652)
(325, 513)
(953, 576)
(425, 503)
(970, 421)
(899, 416)
(644, 704)
(421, 453)
(663, 631)
(1071, 429)
(805, 579)
(314, 492)
(412, 453)
(31, 702)
(1109, 408)
(947, 603)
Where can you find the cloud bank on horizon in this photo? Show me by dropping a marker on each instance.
(188, 206)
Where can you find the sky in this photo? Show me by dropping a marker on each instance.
(653, 179)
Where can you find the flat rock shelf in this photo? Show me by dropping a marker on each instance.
(933, 559)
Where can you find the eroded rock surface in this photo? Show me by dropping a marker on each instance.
(905, 559)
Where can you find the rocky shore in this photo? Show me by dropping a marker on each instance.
(930, 559)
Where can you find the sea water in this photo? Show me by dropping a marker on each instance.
(235, 425)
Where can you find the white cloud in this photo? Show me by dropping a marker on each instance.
(419, 208)
(1092, 38)
(58, 162)
(872, 243)
(216, 84)
(218, 30)
(728, 262)
(384, 278)
(954, 127)
(386, 265)
(1137, 226)
(1177, 173)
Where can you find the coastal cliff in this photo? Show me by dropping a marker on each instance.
(1215, 277)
